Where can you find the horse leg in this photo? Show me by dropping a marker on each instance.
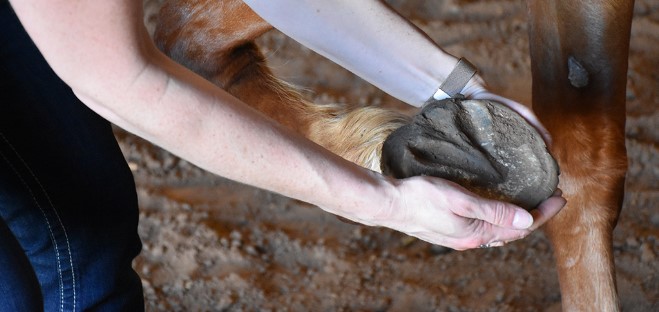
(215, 39)
(579, 53)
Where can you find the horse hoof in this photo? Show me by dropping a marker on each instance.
(482, 145)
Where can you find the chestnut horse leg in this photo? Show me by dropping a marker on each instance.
(579, 53)
(215, 38)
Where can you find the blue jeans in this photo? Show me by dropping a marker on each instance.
(68, 206)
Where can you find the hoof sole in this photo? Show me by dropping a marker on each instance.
(482, 145)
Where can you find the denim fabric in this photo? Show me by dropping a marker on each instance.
(68, 206)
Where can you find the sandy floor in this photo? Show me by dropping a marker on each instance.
(212, 244)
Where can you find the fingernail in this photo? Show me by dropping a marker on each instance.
(497, 244)
(522, 220)
(558, 192)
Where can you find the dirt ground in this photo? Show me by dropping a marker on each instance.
(211, 244)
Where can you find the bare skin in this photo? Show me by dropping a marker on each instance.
(101, 49)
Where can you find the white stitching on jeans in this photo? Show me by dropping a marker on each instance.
(66, 236)
(52, 235)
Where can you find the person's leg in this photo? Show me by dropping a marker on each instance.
(23, 292)
(66, 193)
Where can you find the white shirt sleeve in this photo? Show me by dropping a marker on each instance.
(366, 37)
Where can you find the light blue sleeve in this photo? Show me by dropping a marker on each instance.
(368, 38)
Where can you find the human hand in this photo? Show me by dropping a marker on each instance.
(441, 212)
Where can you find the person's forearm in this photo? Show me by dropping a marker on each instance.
(207, 126)
(115, 69)
(366, 37)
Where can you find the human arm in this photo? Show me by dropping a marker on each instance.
(103, 52)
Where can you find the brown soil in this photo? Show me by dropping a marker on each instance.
(212, 244)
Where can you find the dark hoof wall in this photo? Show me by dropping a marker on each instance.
(482, 145)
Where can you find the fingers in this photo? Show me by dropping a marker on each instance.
(489, 223)
(547, 209)
(457, 218)
(499, 213)
(486, 236)
(495, 236)
(543, 213)
(495, 223)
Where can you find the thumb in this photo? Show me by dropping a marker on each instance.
(504, 215)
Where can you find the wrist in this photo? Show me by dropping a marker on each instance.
(456, 81)
(369, 202)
